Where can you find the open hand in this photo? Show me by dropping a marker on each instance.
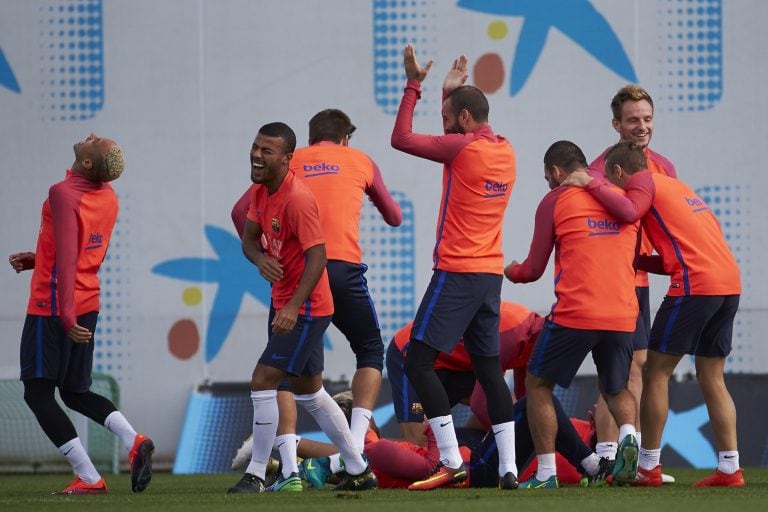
(457, 75)
(413, 70)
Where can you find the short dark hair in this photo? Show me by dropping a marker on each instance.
(282, 131)
(566, 155)
(628, 155)
(631, 92)
(472, 99)
(331, 125)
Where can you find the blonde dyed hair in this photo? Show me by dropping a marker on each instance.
(114, 164)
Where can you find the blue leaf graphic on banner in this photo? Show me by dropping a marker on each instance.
(576, 19)
(7, 78)
(236, 277)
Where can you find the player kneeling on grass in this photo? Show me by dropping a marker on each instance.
(57, 340)
(285, 213)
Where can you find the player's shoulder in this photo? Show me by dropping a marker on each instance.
(663, 162)
(297, 190)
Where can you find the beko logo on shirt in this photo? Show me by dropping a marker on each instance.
(320, 169)
(95, 241)
(495, 189)
(492, 186)
(602, 227)
(697, 204)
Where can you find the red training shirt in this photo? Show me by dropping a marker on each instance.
(75, 228)
(291, 224)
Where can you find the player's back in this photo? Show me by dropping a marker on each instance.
(338, 177)
(594, 273)
(476, 188)
(688, 237)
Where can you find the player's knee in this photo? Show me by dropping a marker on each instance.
(69, 398)
(415, 367)
(38, 394)
(369, 354)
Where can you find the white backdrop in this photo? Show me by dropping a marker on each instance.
(184, 85)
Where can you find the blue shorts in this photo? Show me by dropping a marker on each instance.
(300, 352)
(643, 327)
(47, 352)
(559, 352)
(354, 314)
(700, 325)
(458, 305)
(458, 386)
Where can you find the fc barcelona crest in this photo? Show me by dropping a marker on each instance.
(275, 224)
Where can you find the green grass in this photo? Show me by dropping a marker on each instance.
(170, 493)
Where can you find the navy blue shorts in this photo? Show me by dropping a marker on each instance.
(458, 305)
(559, 352)
(700, 325)
(47, 352)
(354, 314)
(300, 352)
(643, 327)
(458, 386)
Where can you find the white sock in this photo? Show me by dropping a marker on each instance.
(118, 425)
(265, 418)
(75, 453)
(286, 445)
(445, 435)
(505, 442)
(649, 459)
(728, 462)
(361, 421)
(591, 464)
(639, 438)
(625, 430)
(336, 465)
(607, 450)
(546, 466)
(332, 421)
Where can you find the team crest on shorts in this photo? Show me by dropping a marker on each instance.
(275, 224)
(416, 408)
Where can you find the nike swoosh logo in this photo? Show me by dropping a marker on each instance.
(309, 465)
(67, 452)
(281, 444)
(257, 423)
(441, 476)
(729, 456)
(498, 432)
(445, 424)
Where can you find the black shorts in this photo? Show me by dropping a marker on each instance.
(457, 304)
(47, 352)
(300, 352)
(559, 352)
(700, 325)
(408, 409)
(643, 327)
(354, 314)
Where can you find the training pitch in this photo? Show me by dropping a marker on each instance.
(207, 493)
